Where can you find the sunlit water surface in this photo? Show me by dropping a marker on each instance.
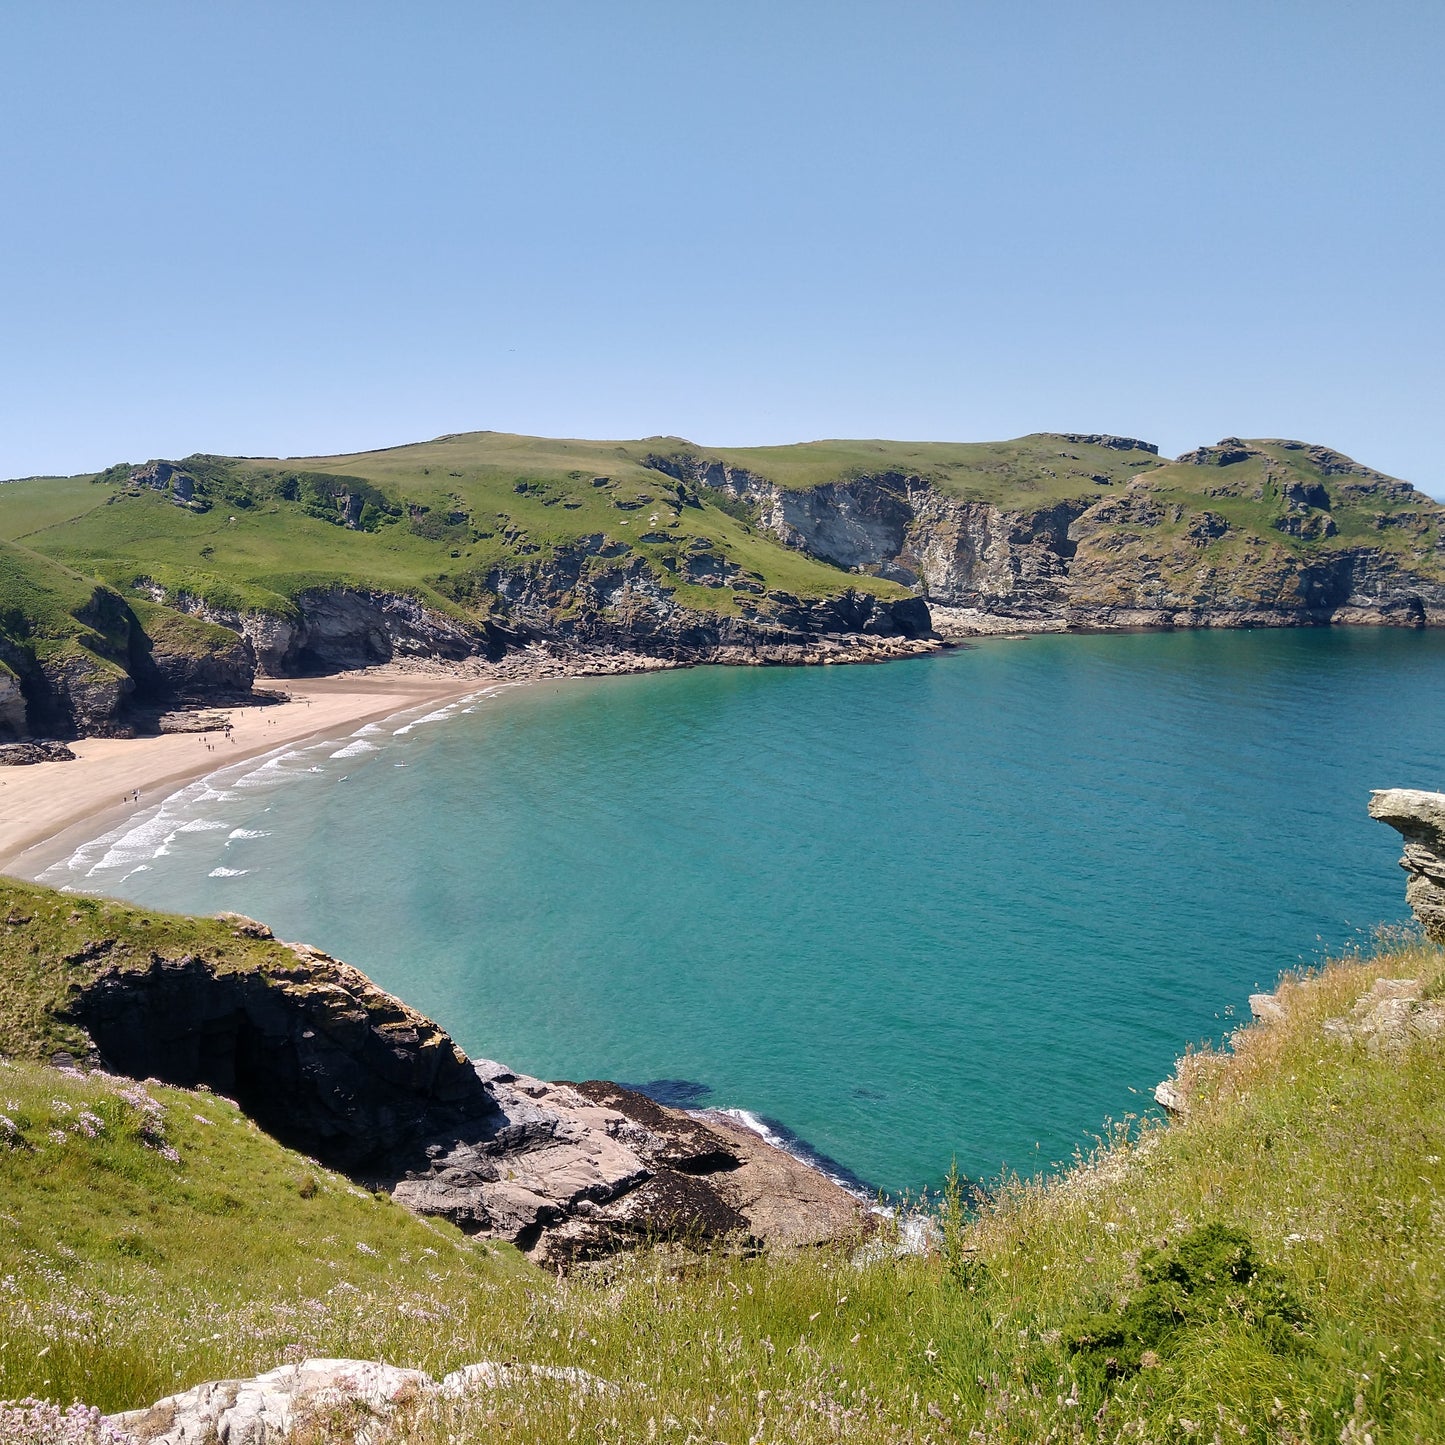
(966, 906)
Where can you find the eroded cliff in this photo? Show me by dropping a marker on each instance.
(1237, 535)
(331, 1065)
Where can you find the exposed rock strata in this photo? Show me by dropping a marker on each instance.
(343, 627)
(1419, 817)
(331, 1065)
(1131, 558)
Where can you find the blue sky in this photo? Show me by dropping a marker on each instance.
(305, 227)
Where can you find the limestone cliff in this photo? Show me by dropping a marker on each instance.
(1242, 534)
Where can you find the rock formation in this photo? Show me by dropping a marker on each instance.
(341, 627)
(333, 1066)
(1419, 817)
(1148, 553)
(359, 1398)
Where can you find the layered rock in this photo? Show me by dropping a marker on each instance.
(333, 1066)
(1135, 557)
(1419, 817)
(596, 594)
(343, 627)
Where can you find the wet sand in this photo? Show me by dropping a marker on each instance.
(47, 809)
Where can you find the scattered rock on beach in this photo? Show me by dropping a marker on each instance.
(22, 754)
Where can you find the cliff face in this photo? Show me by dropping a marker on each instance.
(343, 627)
(593, 595)
(329, 1064)
(1242, 534)
(77, 657)
(1419, 818)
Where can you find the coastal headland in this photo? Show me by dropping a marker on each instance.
(175, 583)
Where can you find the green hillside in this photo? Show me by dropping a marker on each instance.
(436, 518)
(1270, 1269)
(433, 520)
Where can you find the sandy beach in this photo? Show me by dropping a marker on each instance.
(48, 808)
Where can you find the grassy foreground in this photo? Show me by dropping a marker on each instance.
(1269, 1270)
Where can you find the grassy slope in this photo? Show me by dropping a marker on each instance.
(140, 1274)
(41, 606)
(493, 499)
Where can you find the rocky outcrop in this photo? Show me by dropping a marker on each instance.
(174, 670)
(13, 722)
(331, 1399)
(23, 754)
(331, 1065)
(591, 594)
(1388, 1019)
(572, 1172)
(343, 627)
(1136, 557)
(1419, 817)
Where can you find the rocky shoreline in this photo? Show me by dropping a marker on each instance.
(334, 1067)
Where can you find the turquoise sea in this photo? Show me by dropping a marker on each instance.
(960, 907)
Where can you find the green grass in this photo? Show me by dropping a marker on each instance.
(52, 614)
(438, 517)
(1029, 471)
(35, 502)
(48, 950)
(1271, 1269)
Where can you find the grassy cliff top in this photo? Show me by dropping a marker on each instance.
(1271, 1268)
(437, 518)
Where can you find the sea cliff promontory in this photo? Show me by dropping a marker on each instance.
(332, 1066)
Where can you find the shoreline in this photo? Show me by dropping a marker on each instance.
(49, 809)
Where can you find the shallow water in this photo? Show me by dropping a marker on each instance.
(965, 906)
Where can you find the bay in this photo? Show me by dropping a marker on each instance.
(963, 907)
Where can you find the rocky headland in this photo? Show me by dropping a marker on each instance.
(1419, 818)
(330, 1065)
(473, 550)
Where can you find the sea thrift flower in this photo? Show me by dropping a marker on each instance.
(36, 1422)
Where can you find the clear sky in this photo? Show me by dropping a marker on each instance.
(281, 228)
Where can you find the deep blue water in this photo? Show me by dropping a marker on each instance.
(966, 906)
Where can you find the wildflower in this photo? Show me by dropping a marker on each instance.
(89, 1124)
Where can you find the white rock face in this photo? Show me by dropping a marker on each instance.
(366, 1394)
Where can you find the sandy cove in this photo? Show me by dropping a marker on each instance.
(47, 809)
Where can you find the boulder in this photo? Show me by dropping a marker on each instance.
(325, 1399)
